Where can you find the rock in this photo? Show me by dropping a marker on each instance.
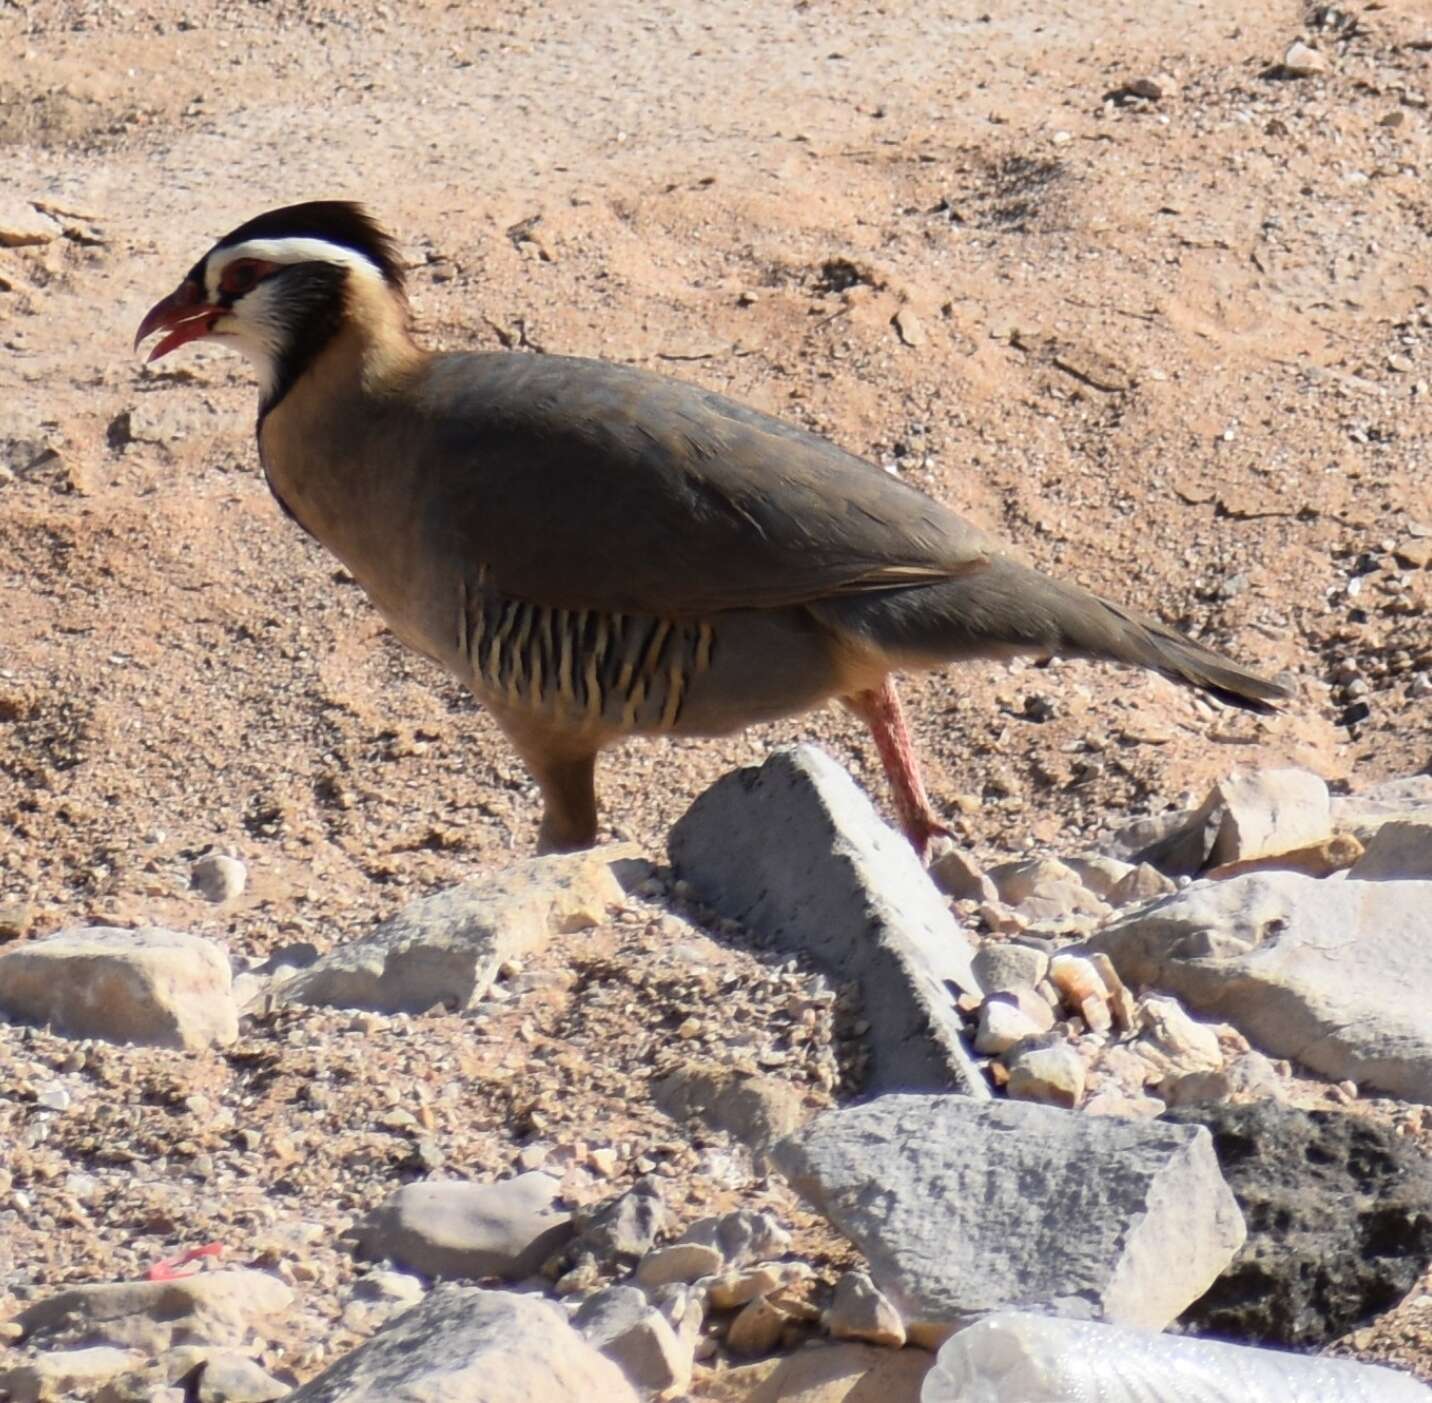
(22, 225)
(957, 874)
(1414, 553)
(466, 1345)
(1323, 972)
(1250, 1077)
(449, 1229)
(1268, 811)
(229, 1377)
(159, 988)
(734, 1288)
(1036, 1359)
(757, 1328)
(1077, 980)
(620, 1323)
(681, 1262)
(794, 851)
(1099, 874)
(1319, 859)
(1172, 1042)
(1141, 883)
(448, 948)
(626, 1226)
(1010, 1017)
(209, 1308)
(754, 1108)
(1052, 1076)
(1339, 1215)
(741, 1236)
(1007, 964)
(62, 1373)
(1400, 849)
(393, 1288)
(1062, 905)
(860, 1312)
(219, 878)
(1018, 881)
(1362, 814)
(823, 1373)
(1302, 61)
(1129, 1222)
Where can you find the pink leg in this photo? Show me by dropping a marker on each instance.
(880, 710)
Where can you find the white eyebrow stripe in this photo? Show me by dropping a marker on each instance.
(295, 250)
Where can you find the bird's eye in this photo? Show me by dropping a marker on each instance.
(239, 277)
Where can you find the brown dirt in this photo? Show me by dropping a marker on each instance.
(1177, 349)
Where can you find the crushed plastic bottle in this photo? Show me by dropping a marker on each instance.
(1013, 1357)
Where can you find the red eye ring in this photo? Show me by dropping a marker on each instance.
(242, 274)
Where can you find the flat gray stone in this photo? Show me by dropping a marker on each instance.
(962, 1207)
(448, 948)
(633, 1334)
(795, 852)
(63, 1373)
(1328, 973)
(1022, 1358)
(154, 987)
(465, 1345)
(1363, 813)
(1401, 849)
(446, 1228)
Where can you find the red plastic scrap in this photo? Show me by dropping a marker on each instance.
(167, 1269)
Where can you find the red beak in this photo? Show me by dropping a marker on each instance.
(183, 314)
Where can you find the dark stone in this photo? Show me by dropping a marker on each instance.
(1339, 1215)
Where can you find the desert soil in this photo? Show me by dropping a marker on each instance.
(1177, 348)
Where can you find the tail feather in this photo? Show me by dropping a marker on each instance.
(1008, 609)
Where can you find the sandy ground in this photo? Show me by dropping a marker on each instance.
(1177, 347)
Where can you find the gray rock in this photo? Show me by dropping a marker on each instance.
(961, 1207)
(1007, 964)
(1141, 883)
(1363, 813)
(1339, 1215)
(741, 1236)
(465, 1345)
(1400, 849)
(210, 1308)
(621, 1323)
(228, 1377)
(1016, 1358)
(1327, 973)
(63, 1373)
(754, 1108)
(794, 851)
(625, 1226)
(450, 1229)
(860, 1311)
(1010, 1017)
(448, 948)
(957, 874)
(1028, 877)
(1100, 874)
(21, 224)
(681, 1262)
(218, 877)
(159, 988)
(1268, 811)
(1052, 1076)
(1301, 60)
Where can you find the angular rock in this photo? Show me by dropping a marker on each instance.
(794, 851)
(1363, 813)
(21, 224)
(861, 1312)
(443, 1228)
(1301, 60)
(1401, 849)
(448, 948)
(740, 1236)
(957, 874)
(682, 1262)
(1320, 859)
(1268, 811)
(210, 1308)
(621, 1323)
(465, 1345)
(734, 1288)
(230, 1377)
(823, 1373)
(1006, 964)
(1029, 877)
(754, 1108)
(1339, 1215)
(1172, 1042)
(1035, 1359)
(1327, 973)
(1129, 1222)
(158, 988)
(1141, 883)
(1052, 1076)
(625, 1226)
(63, 1373)
(1099, 874)
(757, 1328)
(1010, 1017)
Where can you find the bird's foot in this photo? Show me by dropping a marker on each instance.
(930, 838)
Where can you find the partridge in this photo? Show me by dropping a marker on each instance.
(598, 551)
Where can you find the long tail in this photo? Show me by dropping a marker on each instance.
(1006, 608)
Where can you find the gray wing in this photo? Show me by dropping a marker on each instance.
(597, 486)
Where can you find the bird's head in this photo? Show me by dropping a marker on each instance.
(280, 287)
